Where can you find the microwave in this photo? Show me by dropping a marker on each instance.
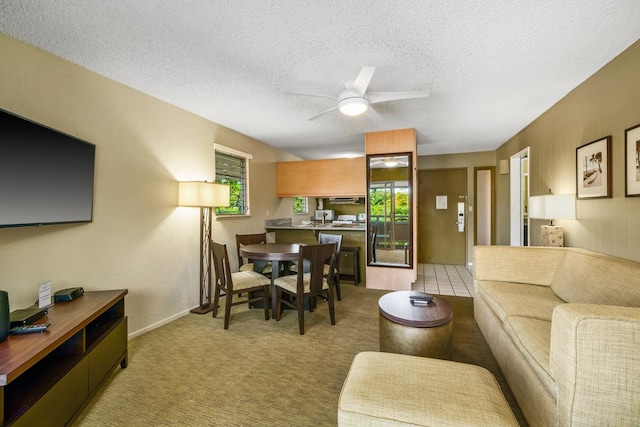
(329, 214)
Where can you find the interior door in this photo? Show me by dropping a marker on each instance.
(442, 218)
(484, 212)
(519, 198)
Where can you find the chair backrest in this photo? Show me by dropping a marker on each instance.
(373, 235)
(317, 256)
(373, 231)
(221, 265)
(248, 239)
(331, 238)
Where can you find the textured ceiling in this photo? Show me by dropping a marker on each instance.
(491, 66)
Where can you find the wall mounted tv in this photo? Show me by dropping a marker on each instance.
(46, 177)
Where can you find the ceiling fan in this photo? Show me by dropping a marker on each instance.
(389, 161)
(355, 99)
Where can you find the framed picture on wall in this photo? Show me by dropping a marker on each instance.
(632, 161)
(593, 169)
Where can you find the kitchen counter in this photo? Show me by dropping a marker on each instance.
(319, 226)
(352, 236)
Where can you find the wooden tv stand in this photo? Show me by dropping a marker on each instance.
(46, 378)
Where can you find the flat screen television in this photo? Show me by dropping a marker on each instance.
(46, 177)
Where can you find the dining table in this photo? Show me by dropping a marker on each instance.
(274, 252)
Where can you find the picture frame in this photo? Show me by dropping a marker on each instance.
(632, 161)
(593, 169)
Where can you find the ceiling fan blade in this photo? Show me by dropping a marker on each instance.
(361, 83)
(322, 113)
(375, 97)
(311, 94)
(373, 114)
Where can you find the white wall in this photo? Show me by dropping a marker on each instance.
(139, 239)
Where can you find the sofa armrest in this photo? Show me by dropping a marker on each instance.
(595, 361)
(530, 265)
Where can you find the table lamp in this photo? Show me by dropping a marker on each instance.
(551, 207)
(205, 195)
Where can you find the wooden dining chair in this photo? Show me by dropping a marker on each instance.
(236, 283)
(247, 264)
(308, 284)
(337, 239)
(373, 236)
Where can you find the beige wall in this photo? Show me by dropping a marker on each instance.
(138, 239)
(462, 160)
(605, 104)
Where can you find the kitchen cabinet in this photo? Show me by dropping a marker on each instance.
(322, 178)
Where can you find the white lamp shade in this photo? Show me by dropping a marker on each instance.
(203, 194)
(552, 206)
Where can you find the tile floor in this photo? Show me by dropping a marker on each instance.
(444, 279)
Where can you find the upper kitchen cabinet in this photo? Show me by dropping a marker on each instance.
(322, 178)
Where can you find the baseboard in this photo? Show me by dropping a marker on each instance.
(158, 324)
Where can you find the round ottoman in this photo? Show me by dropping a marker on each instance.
(413, 328)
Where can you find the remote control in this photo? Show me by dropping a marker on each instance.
(421, 297)
(28, 329)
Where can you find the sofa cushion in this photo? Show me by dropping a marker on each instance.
(589, 277)
(516, 299)
(595, 359)
(533, 339)
(534, 265)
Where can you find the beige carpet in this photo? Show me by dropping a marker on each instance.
(192, 372)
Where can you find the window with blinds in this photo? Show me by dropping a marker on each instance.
(231, 170)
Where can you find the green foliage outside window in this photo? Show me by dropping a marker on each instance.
(380, 202)
(300, 205)
(235, 198)
(231, 170)
(384, 219)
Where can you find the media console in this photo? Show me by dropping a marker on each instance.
(46, 378)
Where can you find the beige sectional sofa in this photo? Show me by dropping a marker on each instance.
(564, 326)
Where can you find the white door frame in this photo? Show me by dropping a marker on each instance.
(517, 195)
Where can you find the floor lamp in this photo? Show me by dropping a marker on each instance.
(205, 195)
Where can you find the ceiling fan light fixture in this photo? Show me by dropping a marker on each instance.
(390, 162)
(353, 106)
